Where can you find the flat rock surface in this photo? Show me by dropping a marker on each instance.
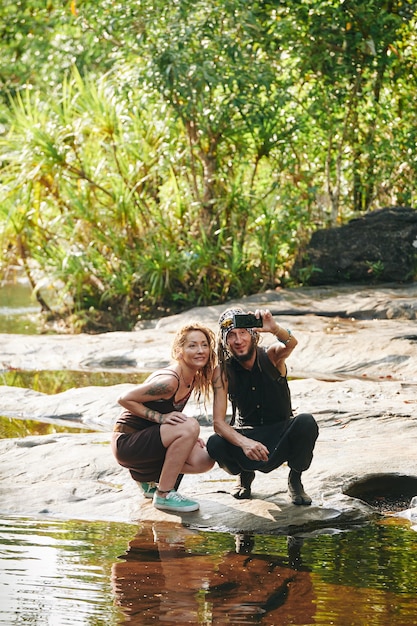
(354, 369)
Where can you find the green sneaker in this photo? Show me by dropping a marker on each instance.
(148, 489)
(174, 501)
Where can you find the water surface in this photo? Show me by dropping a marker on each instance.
(56, 573)
(19, 312)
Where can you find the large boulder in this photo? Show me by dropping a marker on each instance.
(380, 246)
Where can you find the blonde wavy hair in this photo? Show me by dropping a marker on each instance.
(203, 378)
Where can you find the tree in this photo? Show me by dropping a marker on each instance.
(193, 146)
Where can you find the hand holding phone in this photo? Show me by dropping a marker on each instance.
(247, 320)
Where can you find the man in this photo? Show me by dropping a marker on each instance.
(264, 434)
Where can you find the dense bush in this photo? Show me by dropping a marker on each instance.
(157, 155)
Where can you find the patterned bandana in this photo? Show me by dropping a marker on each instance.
(226, 323)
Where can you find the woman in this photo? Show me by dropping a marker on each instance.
(153, 438)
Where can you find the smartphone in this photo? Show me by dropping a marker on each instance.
(247, 320)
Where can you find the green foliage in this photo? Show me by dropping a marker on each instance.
(376, 268)
(157, 156)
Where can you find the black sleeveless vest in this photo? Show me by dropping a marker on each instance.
(261, 395)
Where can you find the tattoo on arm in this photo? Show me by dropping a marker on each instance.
(218, 382)
(159, 389)
(153, 416)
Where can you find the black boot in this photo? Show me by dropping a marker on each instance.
(244, 542)
(242, 489)
(296, 489)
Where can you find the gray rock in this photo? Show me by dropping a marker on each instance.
(356, 375)
(380, 246)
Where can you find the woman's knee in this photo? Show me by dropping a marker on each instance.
(185, 431)
(190, 428)
(193, 426)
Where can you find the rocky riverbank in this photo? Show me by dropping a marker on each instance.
(355, 368)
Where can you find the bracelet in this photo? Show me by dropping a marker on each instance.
(289, 337)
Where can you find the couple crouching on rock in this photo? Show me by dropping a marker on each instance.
(158, 443)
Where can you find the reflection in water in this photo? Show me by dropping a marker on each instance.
(55, 573)
(18, 311)
(167, 577)
(57, 381)
(171, 574)
(68, 573)
(11, 428)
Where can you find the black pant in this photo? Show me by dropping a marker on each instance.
(292, 441)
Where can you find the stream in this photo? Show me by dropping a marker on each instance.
(56, 573)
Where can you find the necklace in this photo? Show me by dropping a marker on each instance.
(184, 381)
